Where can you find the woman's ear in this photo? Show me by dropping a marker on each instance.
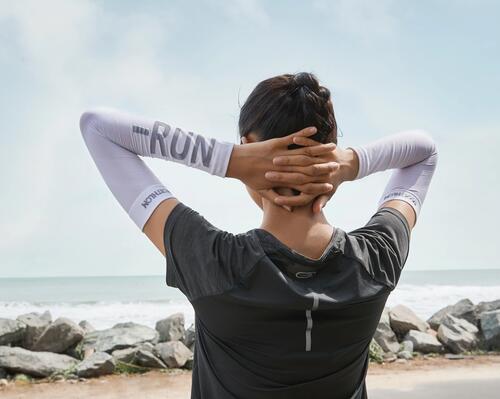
(244, 140)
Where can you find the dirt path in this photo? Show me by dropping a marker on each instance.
(455, 378)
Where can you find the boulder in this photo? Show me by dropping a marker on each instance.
(407, 346)
(173, 353)
(458, 335)
(97, 364)
(171, 328)
(35, 324)
(126, 355)
(424, 342)
(138, 356)
(487, 306)
(147, 359)
(463, 309)
(86, 326)
(189, 337)
(36, 364)
(405, 355)
(490, 326)
(456, 342)
(11, 331)
(384, 335)
(403, 319)
(120, 336)
(59, 336)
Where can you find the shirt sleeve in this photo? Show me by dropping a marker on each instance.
(203, 260)
(382, 245)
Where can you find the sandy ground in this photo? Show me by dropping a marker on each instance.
(438, 378)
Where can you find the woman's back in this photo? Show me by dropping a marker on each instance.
(272, 323)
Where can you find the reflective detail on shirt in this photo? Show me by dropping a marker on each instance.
(309, 320)
(304, 274)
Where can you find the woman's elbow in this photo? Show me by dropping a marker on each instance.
(427, 142)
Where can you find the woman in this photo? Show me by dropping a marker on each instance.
(286, 310)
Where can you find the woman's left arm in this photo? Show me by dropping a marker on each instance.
(116, 139)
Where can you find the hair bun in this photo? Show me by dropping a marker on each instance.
(305, 79)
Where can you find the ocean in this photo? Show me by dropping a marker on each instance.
(105, 301)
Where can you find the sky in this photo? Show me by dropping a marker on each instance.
(390, 65)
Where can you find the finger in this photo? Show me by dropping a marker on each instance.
(314, 188)
(287, 178)
(326, 169)
(294, 200)
(320, 169)
(306, 132)
(271, 195)
(305, 141)
(298, 160)
(313, 150)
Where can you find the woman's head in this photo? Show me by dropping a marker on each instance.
(284, 104)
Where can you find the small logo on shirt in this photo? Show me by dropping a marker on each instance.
(304, 274)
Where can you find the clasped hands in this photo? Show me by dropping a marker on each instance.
(315, 169)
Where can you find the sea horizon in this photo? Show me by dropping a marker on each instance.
(107, 300)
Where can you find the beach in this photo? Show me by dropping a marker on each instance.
(477, 376)
(77, 340)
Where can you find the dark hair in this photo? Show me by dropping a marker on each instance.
(284, 104)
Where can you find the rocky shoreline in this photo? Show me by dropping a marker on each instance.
(34, 346)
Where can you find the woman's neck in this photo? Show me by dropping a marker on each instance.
(302, 230)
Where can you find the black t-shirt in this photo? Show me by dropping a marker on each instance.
(272, 323)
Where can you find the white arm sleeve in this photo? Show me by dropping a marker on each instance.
(414, 156)
(115, 139)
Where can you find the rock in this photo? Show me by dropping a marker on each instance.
(402, 320)
(97, 364)
(126, 355)
(463, 309)
(189, 337)
(424, 342)
(36, 364)
(35, 324)
(490, 326)
(458, 335)
(147, 359)
(389, 357)
(139, 357)
(384, 335)
(171, 328)
(452, 356)
(86, 326)
(407, 346)
(405, 355)
(59, 336)
(11, 331)
(455, 342)
(122, 335)
(487, 306)
(189, 364)
(401, 361)
(173, 353)
(3, 373)
(3, 382)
